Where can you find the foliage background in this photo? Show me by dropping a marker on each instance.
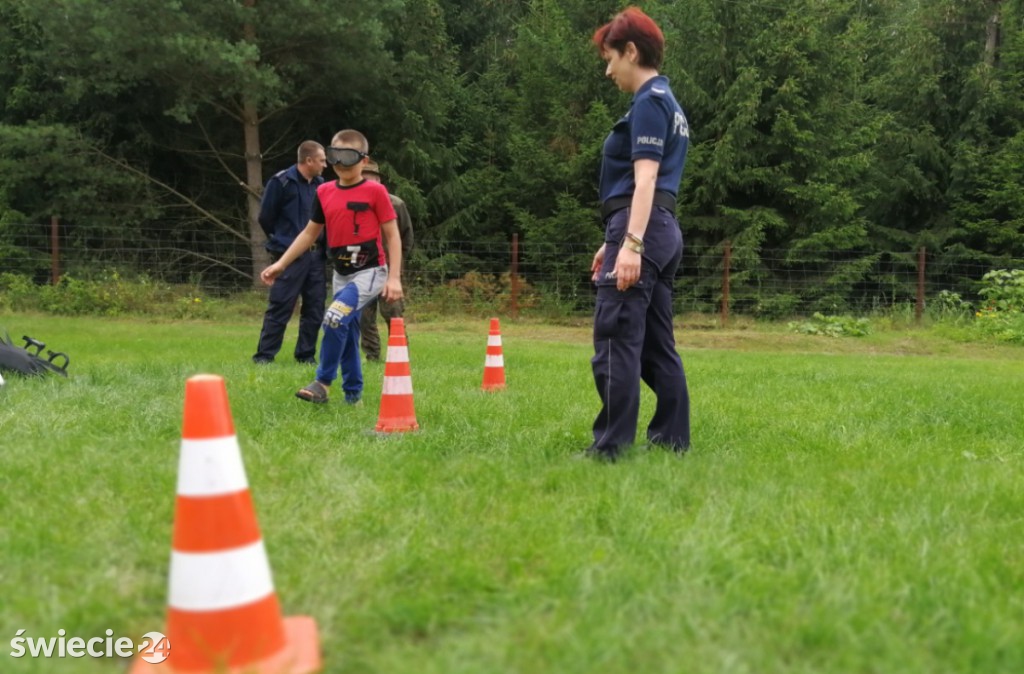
(845, 133)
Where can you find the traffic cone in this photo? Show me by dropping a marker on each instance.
(223, 614)
(397, 413)
(494, 364)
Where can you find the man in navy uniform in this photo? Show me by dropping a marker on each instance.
(284, 212)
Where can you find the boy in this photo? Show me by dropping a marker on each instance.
(360, 221)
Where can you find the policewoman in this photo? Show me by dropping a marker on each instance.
(634, 270)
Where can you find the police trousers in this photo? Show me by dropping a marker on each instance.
(634, 341)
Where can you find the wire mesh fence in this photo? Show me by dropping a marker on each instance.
(520, 275)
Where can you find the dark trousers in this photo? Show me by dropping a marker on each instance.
(368, 324)
(633, 341)
(303, 278)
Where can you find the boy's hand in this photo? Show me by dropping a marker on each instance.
(270, 273)
(392, 290)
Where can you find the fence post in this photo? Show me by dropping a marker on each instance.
(726, 263)
(919, 308)
(513, 280)
(54, 249)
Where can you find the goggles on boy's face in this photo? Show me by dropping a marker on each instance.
(345, 156)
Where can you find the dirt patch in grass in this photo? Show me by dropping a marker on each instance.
(749, 337)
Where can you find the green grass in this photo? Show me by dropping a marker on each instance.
(849, 505)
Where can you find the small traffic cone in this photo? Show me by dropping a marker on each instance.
(223, 614)
(397, 413)
(494, 364)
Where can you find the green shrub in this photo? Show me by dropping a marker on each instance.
(1002, 317)
(1003, 290)
(108, 294)
(74, 297)
(1003, 326)
(477, 293)
(18, 293)
(949, 304)
(776, 307)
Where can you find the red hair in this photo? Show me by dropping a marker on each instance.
(632, 25)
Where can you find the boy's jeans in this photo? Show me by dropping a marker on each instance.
(340, 344)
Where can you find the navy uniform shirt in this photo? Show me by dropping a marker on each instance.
(286, 207)
(653, 128)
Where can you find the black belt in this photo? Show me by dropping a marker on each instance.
(663, 199)
(276, 254)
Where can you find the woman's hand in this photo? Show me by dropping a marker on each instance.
(627, 269)
(595, 266)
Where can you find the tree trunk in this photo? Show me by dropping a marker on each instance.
(253, 170)
(992, 39)
(254, 181)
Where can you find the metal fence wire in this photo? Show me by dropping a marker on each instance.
(527, 275)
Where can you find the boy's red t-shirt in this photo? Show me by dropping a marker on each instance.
(353, 215)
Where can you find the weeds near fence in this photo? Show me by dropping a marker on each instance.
(832, 326)
(110, 292)
(1002, 316)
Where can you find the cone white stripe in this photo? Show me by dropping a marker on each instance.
(398, 354)
(211, 467)
(397, 386)
(213, 581)
(494, 361)
(493, 340)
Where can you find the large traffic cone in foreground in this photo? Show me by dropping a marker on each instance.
(494, 364)
(223, 614)
(397, 413)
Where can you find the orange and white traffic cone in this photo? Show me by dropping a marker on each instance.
(397, 412)
(223, 614)
(494, 364)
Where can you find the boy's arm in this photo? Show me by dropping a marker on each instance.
(393, 248)
(302, 243)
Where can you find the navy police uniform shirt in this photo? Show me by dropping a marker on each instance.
(653, 128)
(286, 206)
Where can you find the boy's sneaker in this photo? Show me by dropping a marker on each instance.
(354, 399)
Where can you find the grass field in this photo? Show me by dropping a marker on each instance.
(848, 506)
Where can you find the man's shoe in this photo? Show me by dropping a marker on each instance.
(373, 359)
(262, 360)
(354, 399)
(308, 360)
